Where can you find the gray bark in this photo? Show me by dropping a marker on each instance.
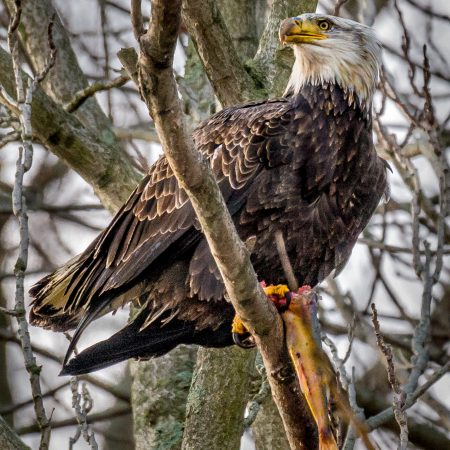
(159, 392)
(240, 19)
(268, 430)
(9, 440)
(5, 392)
(273, 60)
(217, 399)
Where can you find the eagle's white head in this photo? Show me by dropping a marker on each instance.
(330, 49)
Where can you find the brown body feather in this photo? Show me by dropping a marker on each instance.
(303, 164)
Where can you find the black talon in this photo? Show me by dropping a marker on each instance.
(244, 340)
(288, 297)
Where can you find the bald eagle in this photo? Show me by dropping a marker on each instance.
(303, 165)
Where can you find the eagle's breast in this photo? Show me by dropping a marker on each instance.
(324, 196)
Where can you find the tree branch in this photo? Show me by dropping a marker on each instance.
(231, 83)
(66, 78)
(81, 96)
(82, 149)
(9, 337)
(72, 421)
(24, 96)
(9, 440)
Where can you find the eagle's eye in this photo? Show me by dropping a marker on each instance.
(324, 25)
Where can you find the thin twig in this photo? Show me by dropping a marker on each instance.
(81, 96)
(395, 248)
(399, 393)
(285, 261)
(421, 337)
(9, 312)
(4, 410)
(116, 411)
(82, 404)
(348, 385)
(387, 414)
(428, 10)
(137, 22)
(23, 165)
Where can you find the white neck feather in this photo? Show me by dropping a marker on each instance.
(342, 61)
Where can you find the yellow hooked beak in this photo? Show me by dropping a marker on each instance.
(297, 31)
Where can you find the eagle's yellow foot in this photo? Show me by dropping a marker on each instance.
(279, 294)
(241, 337)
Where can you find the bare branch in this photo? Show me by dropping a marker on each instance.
(225, 71)
(78, 146)
(40, 350)
(148, 134)
(66, 78)
(81, 96)
(82, 404)
(4, 410)
(136, 19)
(9, 312)
(108, 414)
(23, 165)
(428, 10)
(399, 393)
(388, 413)
(285, 262)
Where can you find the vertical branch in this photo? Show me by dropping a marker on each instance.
(285, 262)
(104, 25)
(421, 337)
(23, 165)
(137, 23)
(399, 393)
(82, 404)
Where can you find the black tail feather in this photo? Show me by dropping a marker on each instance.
(154, 340)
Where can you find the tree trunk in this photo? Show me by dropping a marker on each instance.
(217, 399)
(159, 391)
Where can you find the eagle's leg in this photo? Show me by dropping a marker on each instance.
(279, 295)
(241, 337)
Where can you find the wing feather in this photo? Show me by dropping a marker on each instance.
(158, 213)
